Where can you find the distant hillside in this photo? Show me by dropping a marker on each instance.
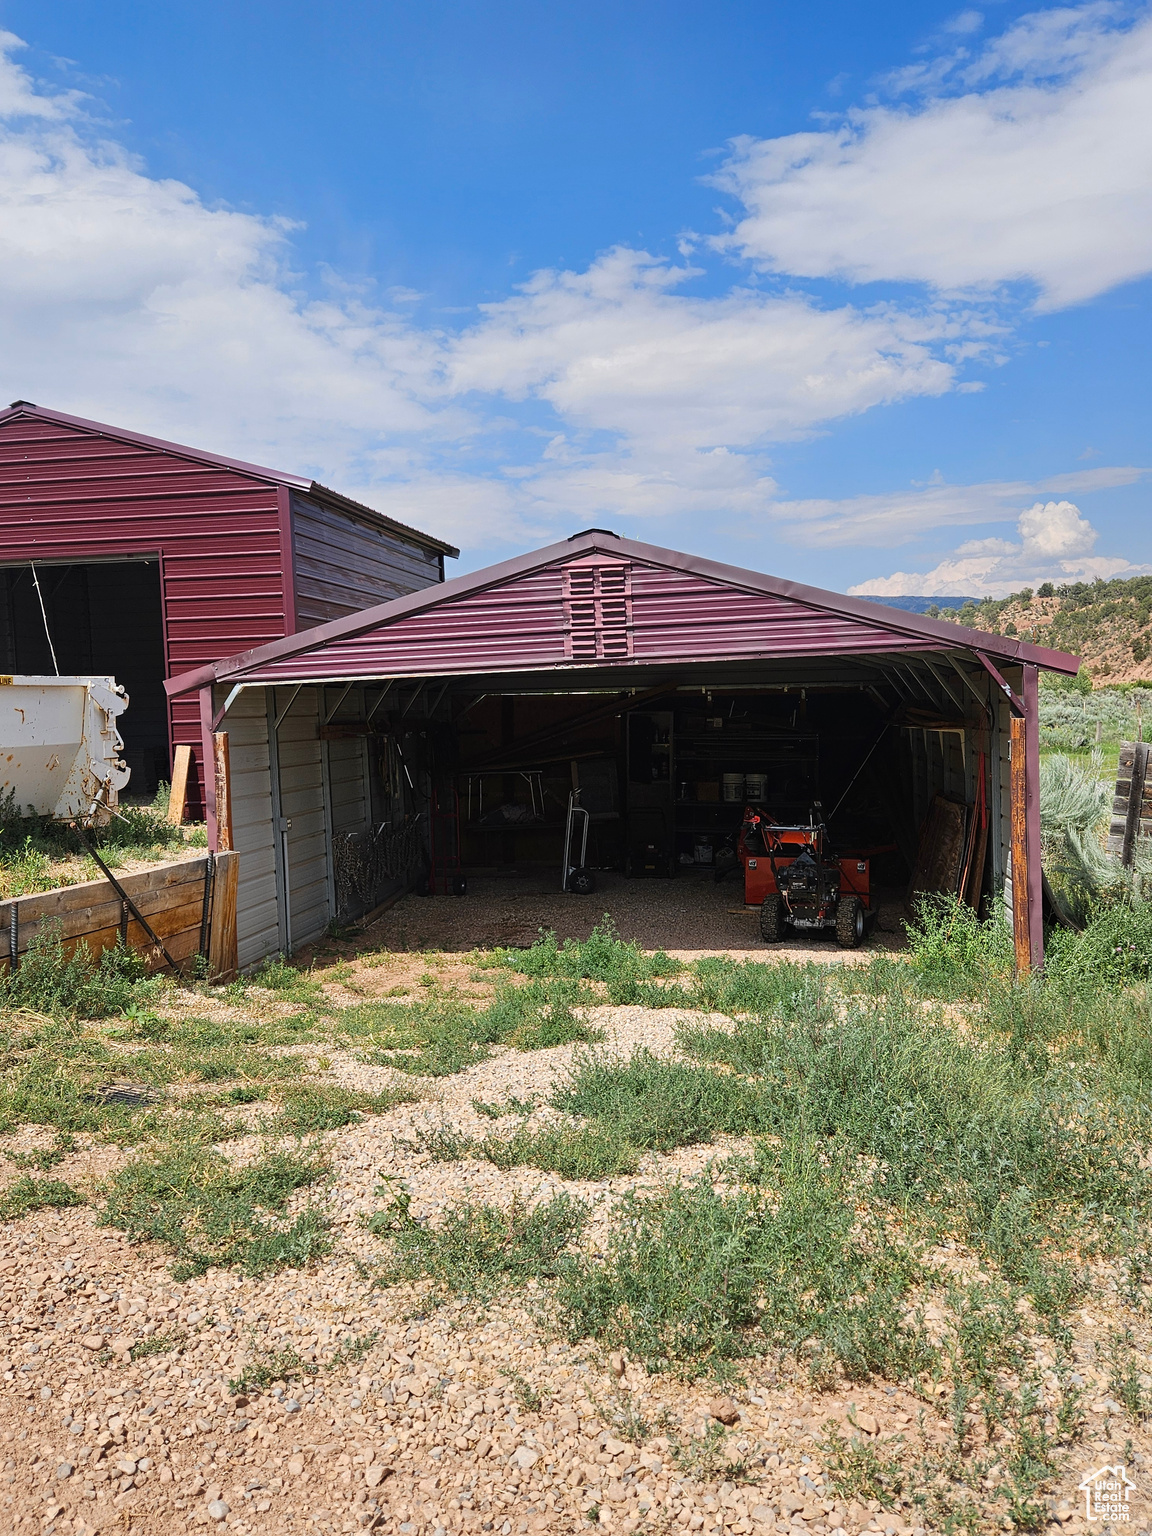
(920, 604)
(1106, 623)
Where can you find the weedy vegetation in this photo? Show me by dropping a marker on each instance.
(875, 1120)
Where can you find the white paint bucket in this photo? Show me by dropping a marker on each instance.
(732, 787)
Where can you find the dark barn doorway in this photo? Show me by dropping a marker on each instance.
(105, 619)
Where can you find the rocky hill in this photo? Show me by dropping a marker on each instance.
(1106, 623)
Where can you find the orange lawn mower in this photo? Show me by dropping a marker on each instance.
(791, 874)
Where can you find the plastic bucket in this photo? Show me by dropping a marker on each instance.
(755, 785)
(732, 787)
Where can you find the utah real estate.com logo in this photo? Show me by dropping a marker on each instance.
(1108, 1494)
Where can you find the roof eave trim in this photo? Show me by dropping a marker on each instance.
(180, 450)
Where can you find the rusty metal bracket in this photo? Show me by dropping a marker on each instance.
(1013, 698)
(125, 898)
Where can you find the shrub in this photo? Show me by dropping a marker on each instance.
(49, 980)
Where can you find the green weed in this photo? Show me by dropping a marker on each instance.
(49, 980)
(27, 1194)
(206, 1211)
(478, 1248)
(157, 1344)
(266, 1366)
(693, 1276)
(658, 1104)
(574, 1152)
(314, 1107)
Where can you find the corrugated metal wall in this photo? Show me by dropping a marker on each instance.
(344, 564)
(253, 828)
(68, 494)
(302, 810)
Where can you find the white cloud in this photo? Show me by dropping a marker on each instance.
(127, 299)
(584, 396)
(1030, 161)
(903, 515)
(1055, 544)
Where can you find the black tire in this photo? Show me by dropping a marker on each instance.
(460, 885)
(772, 919)
(581, 882)
(423, 886)
(849, 922)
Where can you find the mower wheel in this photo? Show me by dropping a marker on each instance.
(849, 922)
(771, 920)
(459, 885)
(581, 882)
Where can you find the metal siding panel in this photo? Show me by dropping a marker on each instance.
(343, 564)
(302, 801)
(256, 930)
(72, 494)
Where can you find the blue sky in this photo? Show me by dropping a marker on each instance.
(855, 295)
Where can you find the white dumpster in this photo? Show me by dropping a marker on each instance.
(59, 746)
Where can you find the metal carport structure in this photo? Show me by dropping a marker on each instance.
(597, 614)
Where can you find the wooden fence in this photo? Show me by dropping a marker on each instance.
(187, 904)
(1132, 805)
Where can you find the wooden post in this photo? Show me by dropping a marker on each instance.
(1027, 876)
(223, 781)
(1021, 928)
(1031, 692)
(222, 952)
(178, 795)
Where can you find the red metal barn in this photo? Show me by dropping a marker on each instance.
(650, 680)
(153, 558)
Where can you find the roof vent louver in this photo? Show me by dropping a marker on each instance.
(598, 611)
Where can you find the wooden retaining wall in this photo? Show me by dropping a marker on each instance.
(169, 896)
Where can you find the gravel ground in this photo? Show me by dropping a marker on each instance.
(690, 916)
(456, 1417)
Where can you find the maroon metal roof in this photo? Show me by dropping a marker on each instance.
(201, 456)
(518, 616)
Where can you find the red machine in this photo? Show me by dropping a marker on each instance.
(791, 874)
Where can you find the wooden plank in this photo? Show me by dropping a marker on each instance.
(223, 774)
(88, 893)
(223, 959)
(178, 795)
(101, 914)
(1021, 926)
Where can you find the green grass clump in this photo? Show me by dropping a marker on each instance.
(979, 1137)
(658, 1104)
(206, 1211)
(156, 1344)
(693, 1276)
(314, 1107)
(27, 1194)
(265, 1366)
(495, 1109)
(538, 1015)
(574, 1152)
(602, 956)
(478, 1248)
